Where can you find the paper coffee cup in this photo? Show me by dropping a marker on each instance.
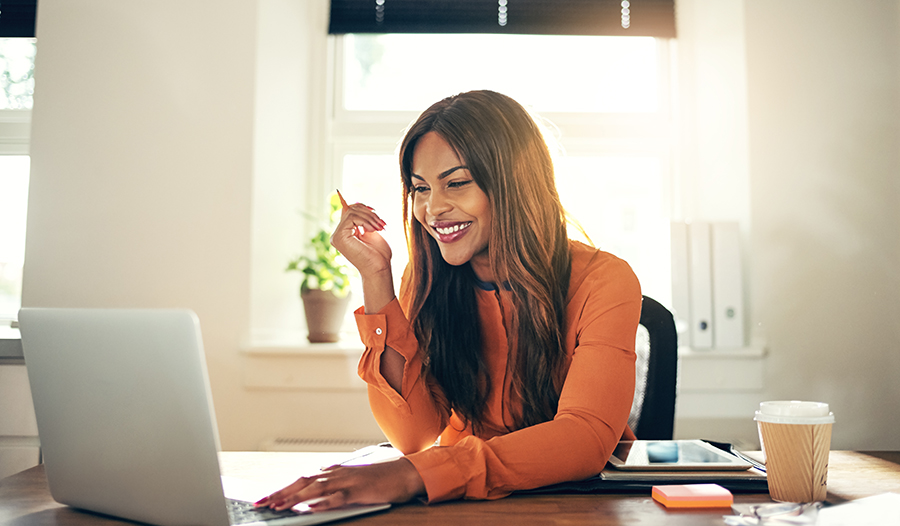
(796, 437)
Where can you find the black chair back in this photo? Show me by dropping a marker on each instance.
(653, 417)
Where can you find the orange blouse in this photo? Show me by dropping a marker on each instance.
(603, 310)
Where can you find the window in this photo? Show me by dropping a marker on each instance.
(608, 99)
(17, 73)
(16, 89)
(406, 72)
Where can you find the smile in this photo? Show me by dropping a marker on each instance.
(448, 232)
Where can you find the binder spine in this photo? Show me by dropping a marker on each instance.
(728, 297)
(701, 329)
(681, 294)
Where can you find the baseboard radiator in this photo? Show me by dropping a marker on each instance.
(317, 444)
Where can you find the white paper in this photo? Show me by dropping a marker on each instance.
(879, 510)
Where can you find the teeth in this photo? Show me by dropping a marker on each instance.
(452, 229)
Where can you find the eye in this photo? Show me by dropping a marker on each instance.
(459, 184)
(418, 189)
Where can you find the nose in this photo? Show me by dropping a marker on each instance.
(437, 204)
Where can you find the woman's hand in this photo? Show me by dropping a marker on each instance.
(357, 238)
(387, 482)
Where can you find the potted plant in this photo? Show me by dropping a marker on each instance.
(325, 285)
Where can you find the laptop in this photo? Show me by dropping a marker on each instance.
(126, 419)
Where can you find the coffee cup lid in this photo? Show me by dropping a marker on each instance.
(794, 412)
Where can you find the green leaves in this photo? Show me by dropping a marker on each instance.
(325, 268)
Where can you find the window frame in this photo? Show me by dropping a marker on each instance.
(354, 131)
(15, 132)
(582, 134)
(342, 121)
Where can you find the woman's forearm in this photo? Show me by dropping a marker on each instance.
(378, 291)
(391, 369)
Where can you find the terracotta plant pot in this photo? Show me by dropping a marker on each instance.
(324, 314)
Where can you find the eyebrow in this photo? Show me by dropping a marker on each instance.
(445, 173)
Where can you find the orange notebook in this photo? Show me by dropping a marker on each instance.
(693, 496)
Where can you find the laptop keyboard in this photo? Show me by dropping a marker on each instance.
(240, 512)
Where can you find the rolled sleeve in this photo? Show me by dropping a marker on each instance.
(443, 478)
(388, 328)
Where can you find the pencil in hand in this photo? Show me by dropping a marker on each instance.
(360, 229)
(344, 204)
(357, 230)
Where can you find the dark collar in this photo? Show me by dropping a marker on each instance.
(487, 285)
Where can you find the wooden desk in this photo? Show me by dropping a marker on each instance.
(25, 500)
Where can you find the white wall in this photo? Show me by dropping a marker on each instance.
(288, 50)
(712, 111)
(824, 106)
(141, 166)
(147, 131)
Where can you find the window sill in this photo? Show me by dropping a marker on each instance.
(290, 362)
(10, 347)
(297, 346)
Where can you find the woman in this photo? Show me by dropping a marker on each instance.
(509, 343)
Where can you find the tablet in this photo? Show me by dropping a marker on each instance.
(673, 455)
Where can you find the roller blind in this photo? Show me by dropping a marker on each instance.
(654, 18)
(17, 18)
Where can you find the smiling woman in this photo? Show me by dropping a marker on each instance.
(509, 344)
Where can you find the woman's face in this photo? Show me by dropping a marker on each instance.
(450, 205)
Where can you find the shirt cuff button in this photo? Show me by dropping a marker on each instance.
(378, 331)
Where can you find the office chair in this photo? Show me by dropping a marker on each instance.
(656, 370)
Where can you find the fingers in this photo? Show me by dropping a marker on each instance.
(342, 486)
(275, 500)
(319, 492)
(337, 499)
(363, 219)
(328, 493)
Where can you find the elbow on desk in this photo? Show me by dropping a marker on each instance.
(409, 445)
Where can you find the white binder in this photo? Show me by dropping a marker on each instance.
(681, 294)
(699, 261)
(728, 293)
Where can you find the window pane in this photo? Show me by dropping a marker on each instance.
(375, 181)
(16, 73)
(619, 203)
(398, 72)
(13, 199)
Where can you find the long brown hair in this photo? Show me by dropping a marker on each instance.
(507, 156)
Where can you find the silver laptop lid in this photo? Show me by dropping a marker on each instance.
(124, 413)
